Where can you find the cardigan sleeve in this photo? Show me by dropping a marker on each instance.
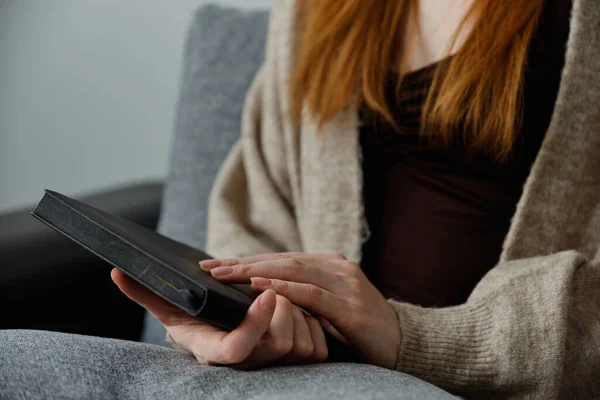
(251, 209)
(530, 329)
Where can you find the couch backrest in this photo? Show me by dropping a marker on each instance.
(224, 50)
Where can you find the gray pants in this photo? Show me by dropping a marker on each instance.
(45, 365)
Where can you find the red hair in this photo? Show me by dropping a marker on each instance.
(350, 44)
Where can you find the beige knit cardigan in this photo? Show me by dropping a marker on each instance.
(531, 328)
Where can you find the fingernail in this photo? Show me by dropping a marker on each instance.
(221, 271)
(267, 300)
(207, 265)
(262, 282)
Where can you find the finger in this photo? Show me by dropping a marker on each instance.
(280, 336)
(310, 297)
(207, 265)
(326, 325)
(237, 345)
(279, 339)
(318, 272)
(320, 350)
(296, 255)
(303, 348)
(160, 309)
(276, 342)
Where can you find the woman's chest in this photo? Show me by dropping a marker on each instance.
(427, 31)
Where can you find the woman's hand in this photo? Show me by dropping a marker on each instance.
(273, 331)
(329, 286)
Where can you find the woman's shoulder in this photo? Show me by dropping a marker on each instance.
(284, 13)
(284, 21)
(279, 4)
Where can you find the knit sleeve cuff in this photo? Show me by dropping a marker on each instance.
(449, 347)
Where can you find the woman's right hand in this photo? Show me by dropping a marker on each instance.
(273, 331)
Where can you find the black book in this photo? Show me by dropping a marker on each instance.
(166, 267)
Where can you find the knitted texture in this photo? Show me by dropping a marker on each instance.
(531, 327)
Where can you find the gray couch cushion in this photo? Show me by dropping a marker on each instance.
(50, 365)
(224, 50)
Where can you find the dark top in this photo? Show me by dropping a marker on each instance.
(438, 217)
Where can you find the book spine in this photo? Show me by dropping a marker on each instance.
(139, 266)
(223, 311)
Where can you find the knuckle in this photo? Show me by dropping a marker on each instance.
(230, 355)
(304, 348)
(282, 346)
(298, 271)
(244, 260)
(351, 267)
(293, 262)
(279, 285)
(357, 307)
(321, 353)
(353, 282)
(314, 294)
(337, 256)
(243, 269)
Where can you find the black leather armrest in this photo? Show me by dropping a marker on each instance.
(46, 281)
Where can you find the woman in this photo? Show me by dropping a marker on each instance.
(386, 148)
(423, 177)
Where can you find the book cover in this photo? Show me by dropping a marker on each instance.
(168, 268)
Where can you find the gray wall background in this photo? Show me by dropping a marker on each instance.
(88, 90)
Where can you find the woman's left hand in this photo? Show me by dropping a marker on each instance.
(327, 285)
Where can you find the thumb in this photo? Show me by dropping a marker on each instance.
(243, 339)
(164, 312)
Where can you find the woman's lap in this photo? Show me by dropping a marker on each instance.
(37, 364)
